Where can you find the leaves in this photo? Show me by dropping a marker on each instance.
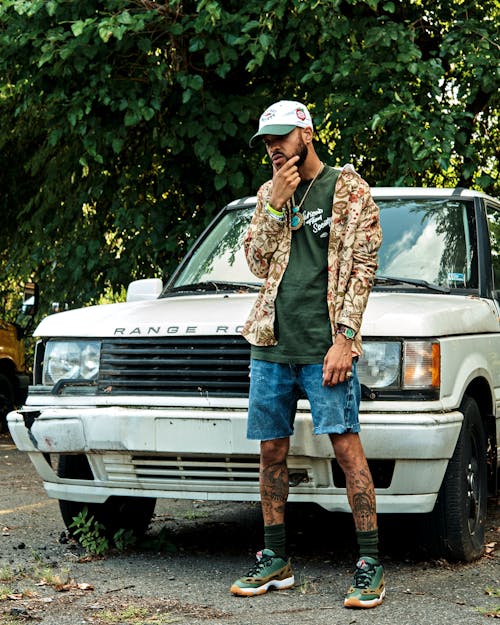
(125, 124)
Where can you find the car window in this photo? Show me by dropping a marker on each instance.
(429, 239)
(494, 228)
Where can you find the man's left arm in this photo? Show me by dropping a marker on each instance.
(337, 363)
(367, 241)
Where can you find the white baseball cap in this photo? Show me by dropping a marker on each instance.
(281, 118)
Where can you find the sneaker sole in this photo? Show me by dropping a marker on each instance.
(278, 584)
(353, 602)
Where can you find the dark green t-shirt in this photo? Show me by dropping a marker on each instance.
(302, 325)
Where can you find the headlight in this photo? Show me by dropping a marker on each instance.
(74, 360)
(380, 365)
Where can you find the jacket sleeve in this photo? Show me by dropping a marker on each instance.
(366, 243)
(263, 235)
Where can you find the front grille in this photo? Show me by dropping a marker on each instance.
(193, 469)
(185, 365)
(166, 469)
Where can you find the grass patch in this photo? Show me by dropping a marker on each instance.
(51, 577)
(5, 591)
(492, 612)
(7, 574)
(161, 542)
(308, 587)
(136, 615)
(194, 515)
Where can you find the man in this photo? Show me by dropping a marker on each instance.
(314, 239)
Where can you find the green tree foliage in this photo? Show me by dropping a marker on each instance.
(124, 125)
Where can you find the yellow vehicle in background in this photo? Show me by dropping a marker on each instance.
(14, 371)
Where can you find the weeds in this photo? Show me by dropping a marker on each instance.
(493, 612)
(36, 556)
(50, 577)
(308, 587)
(161, 542)
(193, 515)
(92, 535)
(124, 539)
(5, 591)
(133, 615)
(6, 574)
(89, 533)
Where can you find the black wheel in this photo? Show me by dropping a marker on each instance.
(128, 513)
(459, 517)
(6, 401)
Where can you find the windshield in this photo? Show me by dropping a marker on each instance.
(220, 257)
(428, 240)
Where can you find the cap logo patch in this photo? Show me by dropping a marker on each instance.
(269, 114)
(300, 114)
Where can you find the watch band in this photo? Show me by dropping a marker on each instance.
(349, 333)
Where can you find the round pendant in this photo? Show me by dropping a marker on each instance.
(297, 219)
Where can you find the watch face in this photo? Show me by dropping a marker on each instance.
(349, 333)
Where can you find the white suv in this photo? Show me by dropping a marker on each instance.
(148, 398)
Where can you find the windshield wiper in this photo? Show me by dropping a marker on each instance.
(212, 285)
(413, 281)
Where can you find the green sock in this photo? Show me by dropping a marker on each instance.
(368, 543)
(275, 539)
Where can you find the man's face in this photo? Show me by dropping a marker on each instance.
(281, 148)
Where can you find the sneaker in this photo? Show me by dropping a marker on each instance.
(368, 589)
(269, 571)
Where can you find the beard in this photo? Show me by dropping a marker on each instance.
(302, 154)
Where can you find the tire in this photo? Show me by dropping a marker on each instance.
(128, 513)
(459, 517)
(6, 401)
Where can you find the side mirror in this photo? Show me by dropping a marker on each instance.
(59, 307)
(29, 308)
(147, 289)
(30, 299)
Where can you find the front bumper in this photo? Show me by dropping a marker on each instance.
(181, 452)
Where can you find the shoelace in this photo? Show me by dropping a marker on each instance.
(363, 576)
(262, 562)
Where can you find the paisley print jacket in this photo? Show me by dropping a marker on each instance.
(354, 240)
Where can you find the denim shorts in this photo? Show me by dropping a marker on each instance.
(275, 389)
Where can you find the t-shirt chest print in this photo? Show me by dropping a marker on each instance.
(318, 224)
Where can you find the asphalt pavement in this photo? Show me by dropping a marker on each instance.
(182, 571)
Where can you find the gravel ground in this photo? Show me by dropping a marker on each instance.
(194, 550)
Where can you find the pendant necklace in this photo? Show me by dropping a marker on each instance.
(297, 218)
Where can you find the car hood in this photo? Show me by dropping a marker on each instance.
(179, 315)
(387, 314)
(413, 315)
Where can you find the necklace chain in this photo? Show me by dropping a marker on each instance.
(297, 218)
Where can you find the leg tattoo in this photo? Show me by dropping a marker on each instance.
(361, 495)
(274, 492)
